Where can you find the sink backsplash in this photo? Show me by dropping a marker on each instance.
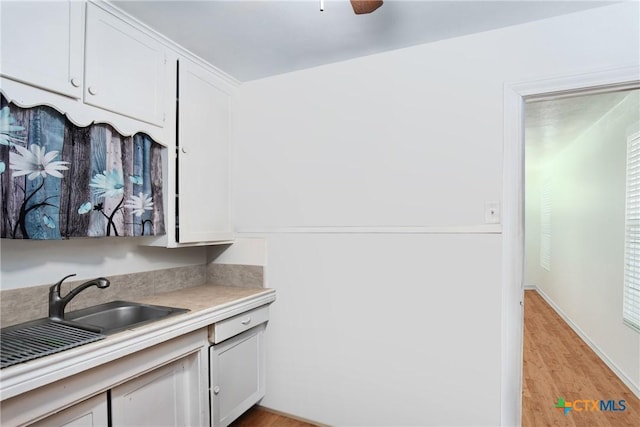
(24, 304)
(243, 276)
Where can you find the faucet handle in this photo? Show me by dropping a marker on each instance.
(57, 285)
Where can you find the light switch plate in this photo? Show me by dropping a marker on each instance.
(492, 212)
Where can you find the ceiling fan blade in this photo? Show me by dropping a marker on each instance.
(365, 6)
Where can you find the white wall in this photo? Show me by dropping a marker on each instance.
(31, 263)
(244, 251)
(374, 330)
(372, 326)
(587, 181)
(533, 198)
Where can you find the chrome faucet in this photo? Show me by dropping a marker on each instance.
(57, 303)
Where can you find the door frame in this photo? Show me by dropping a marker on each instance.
(515, 96)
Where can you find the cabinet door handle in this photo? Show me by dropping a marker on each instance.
(246, 321)
(93, 90)
(184, 150)
(216, 390)
(75, 82)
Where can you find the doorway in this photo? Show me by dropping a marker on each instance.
(513, 212)
(575, 181)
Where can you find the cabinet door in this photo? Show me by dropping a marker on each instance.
(89, 413)
(125, 68)
(237, 375)
(167, 396)
(41, 44)
(203, 157)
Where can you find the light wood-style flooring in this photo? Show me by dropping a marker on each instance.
(259, 417)
(557, 363)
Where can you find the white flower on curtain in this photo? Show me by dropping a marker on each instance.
(35, 162)
(107, 184)
(140, 203)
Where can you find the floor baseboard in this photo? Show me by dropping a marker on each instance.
(635, 388)
(284, 414)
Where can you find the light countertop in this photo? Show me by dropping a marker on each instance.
(205, 297)
(208, 304)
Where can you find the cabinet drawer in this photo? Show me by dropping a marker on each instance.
(237, 324)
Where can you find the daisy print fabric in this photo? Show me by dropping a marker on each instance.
(58, 180)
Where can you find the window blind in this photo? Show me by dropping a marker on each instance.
(631, 299)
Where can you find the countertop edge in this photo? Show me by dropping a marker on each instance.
(39, 372)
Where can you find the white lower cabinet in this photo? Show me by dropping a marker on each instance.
(162, 385)
(237, 377)
(166, 396)
(92, 412)
(184, 381)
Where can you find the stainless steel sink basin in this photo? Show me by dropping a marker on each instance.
(116, 316)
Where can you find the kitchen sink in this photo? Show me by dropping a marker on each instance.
(41, 337)
(116, 316)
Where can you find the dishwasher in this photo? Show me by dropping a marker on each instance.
(236, 365)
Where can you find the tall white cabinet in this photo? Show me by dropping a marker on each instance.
(203, 150)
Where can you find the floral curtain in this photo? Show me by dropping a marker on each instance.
(58, 180)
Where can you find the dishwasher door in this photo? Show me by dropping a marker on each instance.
(236, 375)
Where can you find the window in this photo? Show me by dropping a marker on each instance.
(631, 298)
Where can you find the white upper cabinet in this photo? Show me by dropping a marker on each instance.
(124, 68)
(203, 156)
(61, 52)
(41, 44)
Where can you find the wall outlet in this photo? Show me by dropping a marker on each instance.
(492, 212)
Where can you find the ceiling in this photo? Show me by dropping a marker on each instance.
(552, 125)
(255, 39)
